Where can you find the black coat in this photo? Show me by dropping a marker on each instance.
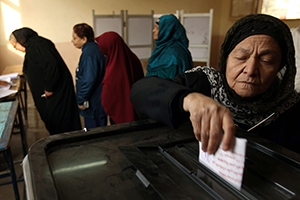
(162, 100)
(44, 69)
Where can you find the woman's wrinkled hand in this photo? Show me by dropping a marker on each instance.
(211, 122)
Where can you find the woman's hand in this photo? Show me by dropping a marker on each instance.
(210, 120)
(81, 107)
(48, 94)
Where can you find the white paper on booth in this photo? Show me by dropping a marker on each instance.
(229, 165)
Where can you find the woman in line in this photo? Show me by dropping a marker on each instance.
(49, 79)
(123, 68)
(89, 76)
(171, 55)
(253, 89)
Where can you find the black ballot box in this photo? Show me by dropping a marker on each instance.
(148, 160)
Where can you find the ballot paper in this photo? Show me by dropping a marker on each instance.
(229, 165)
(5, 93)
(8, 80)
(5, 90)
(14, 75)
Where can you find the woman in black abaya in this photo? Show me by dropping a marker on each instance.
(50, 81)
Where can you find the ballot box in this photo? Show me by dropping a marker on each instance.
(148, 160)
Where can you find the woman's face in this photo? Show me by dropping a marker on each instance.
(252, 65)
(77, 41)
(18, 46)
(155, 32)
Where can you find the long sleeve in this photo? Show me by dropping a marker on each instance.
(47, 58)
(162, 99)
(87, 78)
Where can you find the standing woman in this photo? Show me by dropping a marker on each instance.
(171, 55)
(123, 68)
(50, 81)
(89, 76)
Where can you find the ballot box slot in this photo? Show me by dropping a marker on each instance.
(271, 187)
(193, 175)
(262, 175)
(158, 167)
(265, 187)
(209, 176)
(275, 155)
(189, 173)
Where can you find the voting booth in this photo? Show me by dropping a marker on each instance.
(148, 160)
(109, 22)
(198, 28)
(136, 30)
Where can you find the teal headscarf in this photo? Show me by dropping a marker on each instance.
(170, 55)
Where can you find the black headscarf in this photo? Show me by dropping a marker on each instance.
(22, 35)
(255, 24)
(258, 24)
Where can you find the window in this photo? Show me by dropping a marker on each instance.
(283, 9)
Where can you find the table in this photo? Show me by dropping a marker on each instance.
(20, 86)
(148, 160)
(9, 112)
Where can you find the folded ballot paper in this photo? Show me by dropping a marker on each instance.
(229, 165)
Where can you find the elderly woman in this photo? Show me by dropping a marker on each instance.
(254, 89)
(171, 55)
(49, 79)
(122, 69)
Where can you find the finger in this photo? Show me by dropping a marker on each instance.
(205, 130)
(196, 128)
(204, 141)
(215, 134)
(229, 132)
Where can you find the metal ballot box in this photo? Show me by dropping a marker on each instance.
(148, 160)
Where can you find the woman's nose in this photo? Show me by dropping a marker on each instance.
(251, 66)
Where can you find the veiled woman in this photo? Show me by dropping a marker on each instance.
(122, 69)
(49, 79)
(171, 55)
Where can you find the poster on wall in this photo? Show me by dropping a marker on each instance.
(240, 8)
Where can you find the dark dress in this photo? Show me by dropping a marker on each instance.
(122, 69)
(44, 69)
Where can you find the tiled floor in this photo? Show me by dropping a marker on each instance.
(35, 131)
